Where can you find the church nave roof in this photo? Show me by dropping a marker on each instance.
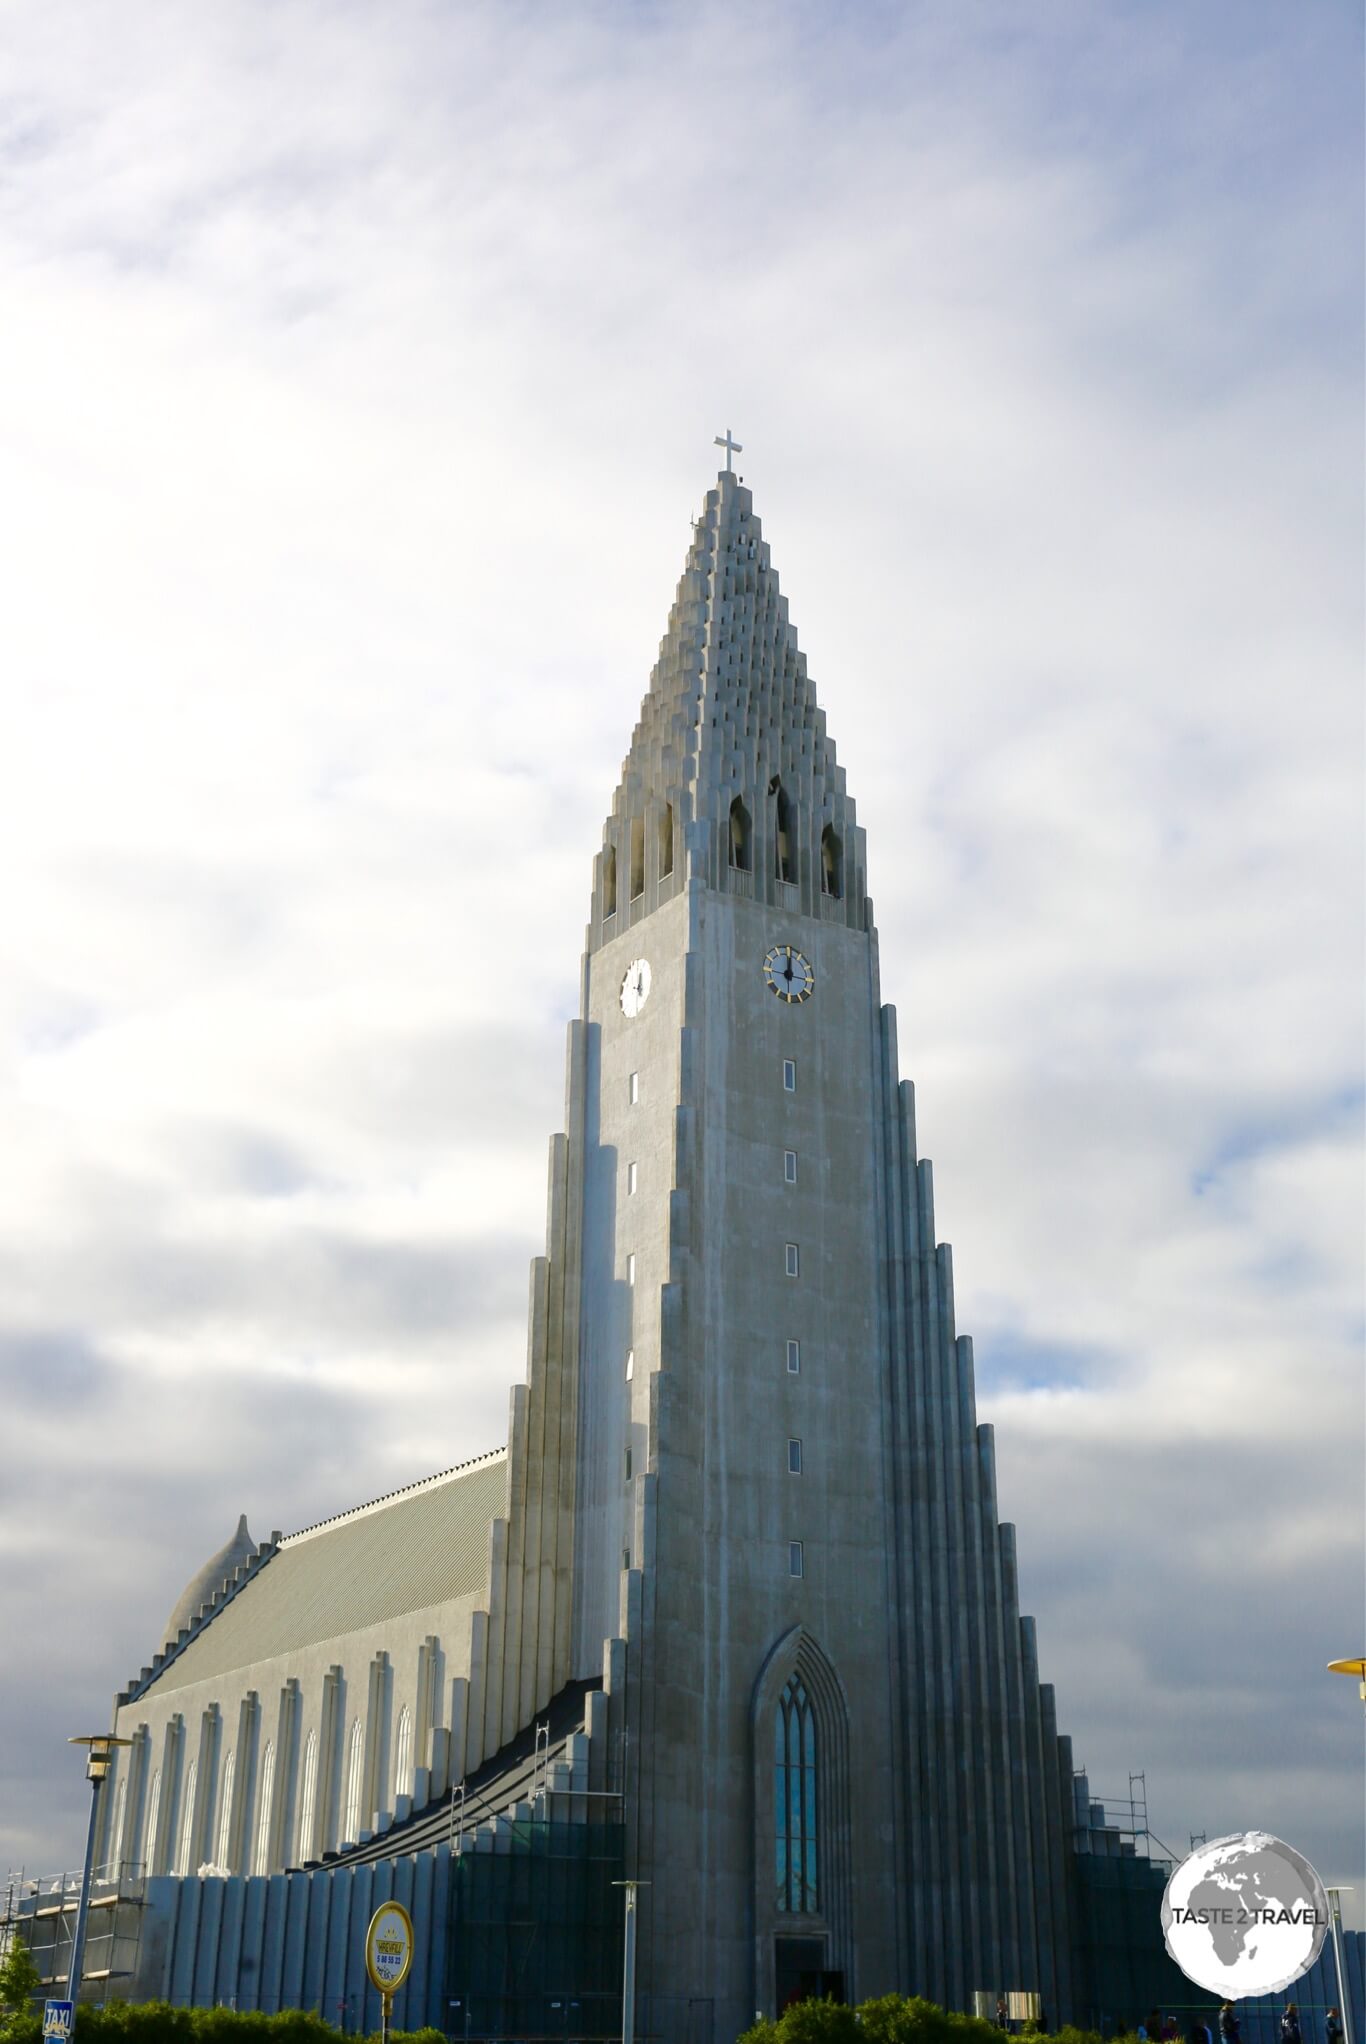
(416, 1547)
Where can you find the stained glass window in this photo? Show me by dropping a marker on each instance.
(794, 1801)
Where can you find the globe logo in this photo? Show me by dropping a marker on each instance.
(1244, 1915)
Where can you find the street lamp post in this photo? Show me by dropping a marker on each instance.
(628, 1962)
(1344, 1985)
(1355, 1666)
(101, 1745)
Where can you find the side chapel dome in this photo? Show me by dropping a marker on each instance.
(208, 1580)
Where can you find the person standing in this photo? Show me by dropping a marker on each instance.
(1290, 2025)
(1228, 2025)
(1332, 2027)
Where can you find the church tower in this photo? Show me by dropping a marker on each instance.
(840, 1765)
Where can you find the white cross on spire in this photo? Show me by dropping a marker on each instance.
(731, 447)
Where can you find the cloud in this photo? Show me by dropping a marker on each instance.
(359, 389)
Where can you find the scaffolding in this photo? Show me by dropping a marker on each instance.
(1119, 1824)
(1122, 1869)
(42, 1911)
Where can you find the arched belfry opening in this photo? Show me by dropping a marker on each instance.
(741, 838)
(832, 864)
(784, 833)
(609, 881)
(803, 1846)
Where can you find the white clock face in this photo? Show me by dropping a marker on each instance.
(635, 988)
(787, 974)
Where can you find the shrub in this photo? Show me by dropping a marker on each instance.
(892, 2019)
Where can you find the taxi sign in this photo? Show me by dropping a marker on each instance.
(389, 1947)
(57, 2020)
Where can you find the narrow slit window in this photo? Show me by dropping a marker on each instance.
(309, 1804)
(403, 1763)
(790, 1166)
(626, 1557)
(609, 882)
(633, 1089)
(628, 1465)
(794, 1457)
(355, 1781)
(666, 841)
(795, 1558)
(632, 1177)
(631, 1269)
(630, 1364)
(793, 1260)
(187, 1825)
(637, 857)
(794, 1358)
(261, 1859)
(224, 1853)
(789, 1075)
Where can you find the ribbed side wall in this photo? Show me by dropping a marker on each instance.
(983, 1841)
(297, 1940)
(520, 1641)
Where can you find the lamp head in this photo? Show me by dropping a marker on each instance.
(101, 1752)
(1352, 1666)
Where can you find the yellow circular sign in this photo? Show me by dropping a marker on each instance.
(389, 1947)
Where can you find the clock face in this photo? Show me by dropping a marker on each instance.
(790, 976)
(635, 988)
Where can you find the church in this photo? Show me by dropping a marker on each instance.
(731, 1616)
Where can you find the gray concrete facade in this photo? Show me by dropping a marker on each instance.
(744, 1480)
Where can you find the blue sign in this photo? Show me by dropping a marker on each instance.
(57, 2019)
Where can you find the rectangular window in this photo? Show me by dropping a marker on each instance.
(631, 1269)
(794, 1558)
(794, 1358)
(633, 1088)
(631, 1178)
(790, 1166)
(630, 1364)
(792, 1260)
(789, 1075)
(628, 1465)
(794, 1458)
(626, 1557)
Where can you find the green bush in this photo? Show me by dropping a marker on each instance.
(156, 2022)
(893, 2019)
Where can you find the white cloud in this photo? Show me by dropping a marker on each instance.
(359, 384)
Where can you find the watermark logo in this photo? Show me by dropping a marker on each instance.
(1245, 1915)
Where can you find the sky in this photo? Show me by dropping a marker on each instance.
(360, 372)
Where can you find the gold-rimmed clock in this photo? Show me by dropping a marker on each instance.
(787, 974)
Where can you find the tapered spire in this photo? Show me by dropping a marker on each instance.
(730, 717)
